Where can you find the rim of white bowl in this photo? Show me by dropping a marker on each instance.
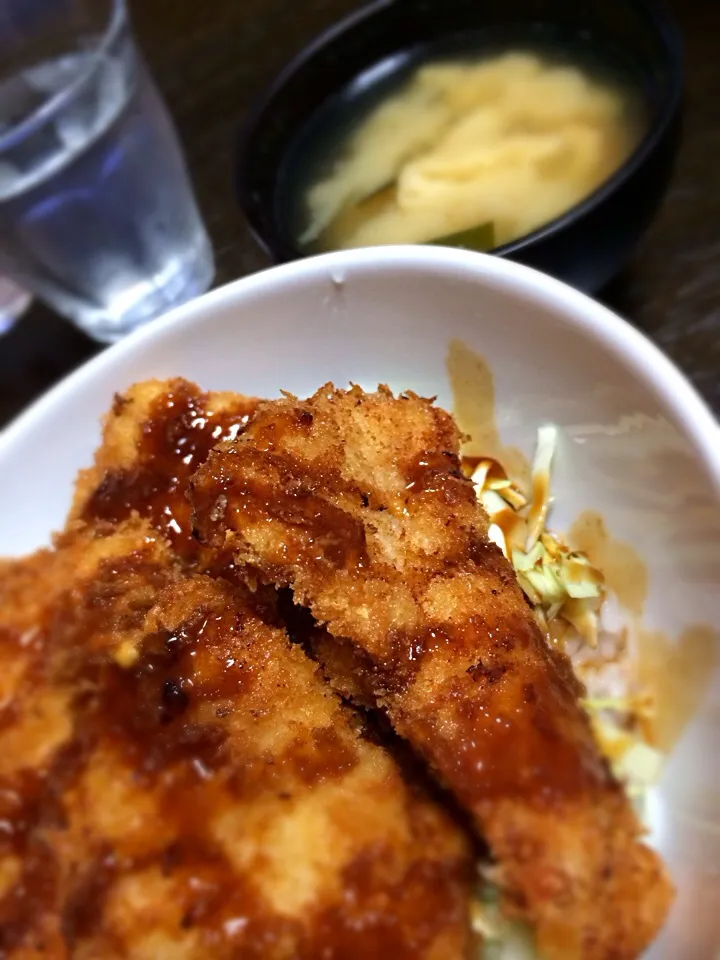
(573, 307)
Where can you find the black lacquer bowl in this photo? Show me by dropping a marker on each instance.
(584, 246)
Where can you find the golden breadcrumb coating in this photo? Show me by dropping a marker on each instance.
(155, 436)
(176, 778)
(356, 501)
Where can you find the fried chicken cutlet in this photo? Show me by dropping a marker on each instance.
(107, 584)
(177, 781)
(155, 436)
(356, 501)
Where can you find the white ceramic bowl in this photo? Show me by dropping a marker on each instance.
(638, 445)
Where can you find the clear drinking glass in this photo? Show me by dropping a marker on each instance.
(97, 214)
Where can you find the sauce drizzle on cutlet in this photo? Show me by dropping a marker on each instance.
(165, 723)
(177, 437)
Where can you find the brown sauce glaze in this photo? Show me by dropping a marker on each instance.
(86, 900)
(678, 672)
(470, 464)
(405, 653)
(145, 715)
(30, 899)
(674, 670)
(514, 751)
(176, 438)
(544, 773)
(262, 487)
(624, 569)
(473, 389)
(431, 469)
(440, 473)
(423, 902)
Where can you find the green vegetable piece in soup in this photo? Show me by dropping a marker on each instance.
(480, 238)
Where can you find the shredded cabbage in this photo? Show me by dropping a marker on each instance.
(567, 594)
(559, 582)
(502, 939)
(540, 506)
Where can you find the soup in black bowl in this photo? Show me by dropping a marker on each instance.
(545, 132)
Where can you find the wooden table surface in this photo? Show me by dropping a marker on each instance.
(211, 59)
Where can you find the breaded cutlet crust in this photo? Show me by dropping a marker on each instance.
(357, 502)
(155, 436)
(177, 781)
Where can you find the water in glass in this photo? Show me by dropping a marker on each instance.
(97, 214)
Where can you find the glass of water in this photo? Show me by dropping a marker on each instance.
(97, 214)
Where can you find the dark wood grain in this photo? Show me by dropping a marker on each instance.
(212, 59)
